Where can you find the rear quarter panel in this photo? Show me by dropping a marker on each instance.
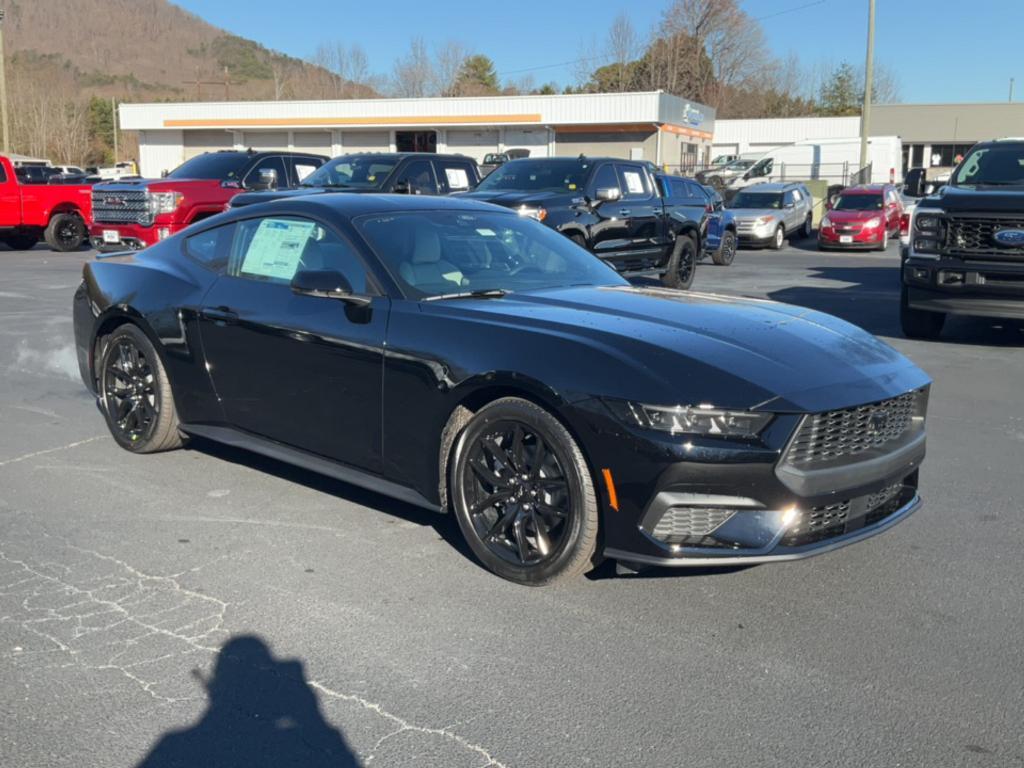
(41, 201)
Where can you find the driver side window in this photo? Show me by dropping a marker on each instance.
(605, 178)
(273, 248)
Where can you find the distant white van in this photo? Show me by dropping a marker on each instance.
(833, 160)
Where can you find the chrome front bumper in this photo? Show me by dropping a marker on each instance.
(769, 527)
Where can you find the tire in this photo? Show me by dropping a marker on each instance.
(808, 228)
(580, 241)
(726, 252)
(23, 242)
(778, 239)
(523, 494)
(681, 264)
(65, 232)
(135, 393)
(884, 245)
(917, 323)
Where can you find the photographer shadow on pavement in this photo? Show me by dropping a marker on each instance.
(261, 713)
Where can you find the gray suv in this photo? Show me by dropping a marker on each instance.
(768, 213)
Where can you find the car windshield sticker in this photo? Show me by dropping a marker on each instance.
(457, 178)
(633, 182)
(276, 248)
(485, 232)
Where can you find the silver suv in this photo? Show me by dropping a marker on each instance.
(768, 213)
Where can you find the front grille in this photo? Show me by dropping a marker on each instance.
(120, 207)
(689, 525)
(969, 236)
(838, 518)
(837, 437)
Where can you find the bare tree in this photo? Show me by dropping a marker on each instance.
(413, 74)
(623, 45)
(447, 65)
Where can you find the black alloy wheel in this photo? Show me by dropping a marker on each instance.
(65, 232)
(726, 252)
(136, 394)
(522, 494)
(681, 264)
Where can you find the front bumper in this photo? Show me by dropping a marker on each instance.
(871, 238)
(960, 287)
(133, 237)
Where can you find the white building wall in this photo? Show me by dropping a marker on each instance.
(159, 151)
(762, 135)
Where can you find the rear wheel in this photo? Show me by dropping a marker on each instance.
(136, 394)
(727, 251)
(523, 495)
(22, 242)
(65, 232)
(778, 239)
(917, 323)
(681, 264)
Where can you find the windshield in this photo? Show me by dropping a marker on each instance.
(757, 200)
(740, 165)
(537, 175)
(858, 203)
(494, 159)
(442, 252)
(361, 171)
(1000, 164)
(222, 166)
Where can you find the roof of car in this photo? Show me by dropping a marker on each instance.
(353, 205)
(449, 155)
(773, 186)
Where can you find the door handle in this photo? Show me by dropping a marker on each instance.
(219, 315)
(624, 211)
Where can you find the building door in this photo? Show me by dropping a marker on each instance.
(416, 141)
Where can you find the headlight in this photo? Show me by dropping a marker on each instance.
(699, 420)
(825, 222)
(926, 234)
(872, 223)
(763, 220)
(537, 213)
(164, 202)
(927, 222)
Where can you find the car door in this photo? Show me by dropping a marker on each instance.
(301, 370)
(607, 230)
(714, 213)
(10, 199)
(893, 209)
(416, 177)
(642, 210)
(789, 210)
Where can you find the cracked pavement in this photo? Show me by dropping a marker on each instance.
(209, 607)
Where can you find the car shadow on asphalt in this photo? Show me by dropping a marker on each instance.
(261, 712)
(445, 525)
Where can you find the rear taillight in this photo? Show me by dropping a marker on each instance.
(905, 224)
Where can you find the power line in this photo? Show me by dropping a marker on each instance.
(608, 55)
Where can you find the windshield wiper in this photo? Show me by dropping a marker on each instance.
(483, 293)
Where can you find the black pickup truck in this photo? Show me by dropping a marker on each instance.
(413, 173)
(965, 254)
(637, 221)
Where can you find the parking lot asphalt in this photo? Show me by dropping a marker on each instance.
(209, 607)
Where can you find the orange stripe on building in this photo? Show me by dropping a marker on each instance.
(693, 133)
(606, 128)
(287, 122)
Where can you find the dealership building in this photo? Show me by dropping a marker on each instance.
(932, 134)
(654, 126)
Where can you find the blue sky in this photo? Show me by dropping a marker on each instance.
(941, 50)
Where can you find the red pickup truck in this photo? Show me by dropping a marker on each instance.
(132, 214)
(59, 213)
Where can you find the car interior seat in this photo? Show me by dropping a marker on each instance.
(424, 265)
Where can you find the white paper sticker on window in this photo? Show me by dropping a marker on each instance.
(457, 178)
(302, 171)
(276, 249)
(634, 184)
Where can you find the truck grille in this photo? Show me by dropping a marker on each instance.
(120, 207)
(838, 436)
(970, 236)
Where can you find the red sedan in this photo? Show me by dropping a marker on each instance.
(862, 217)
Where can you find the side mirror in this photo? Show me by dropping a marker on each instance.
(326, 284)
(790, 205)
(266, 178)
(608, 194)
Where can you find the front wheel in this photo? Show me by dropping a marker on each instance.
(883, 244)
(136, 394)
(918, 323)
(65, 232)
(727, 250)
(523, 494)
(778, 239)
(808, 228)
(681, 264)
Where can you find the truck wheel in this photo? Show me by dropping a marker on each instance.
(917, 323)
(65, 233)
(727, 250)
(23, 242)
(681, 264)
(778, 239)
(579, 240)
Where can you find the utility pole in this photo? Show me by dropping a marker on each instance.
(869, 72)
(113, 121)
(3, 88)
(1011, 89)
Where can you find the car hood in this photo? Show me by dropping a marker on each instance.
(156, 185)
(853, 215)
(749, 214)
(981, 199)
(673, 347)
(515, 198)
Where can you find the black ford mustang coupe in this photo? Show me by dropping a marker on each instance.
(459, 356)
